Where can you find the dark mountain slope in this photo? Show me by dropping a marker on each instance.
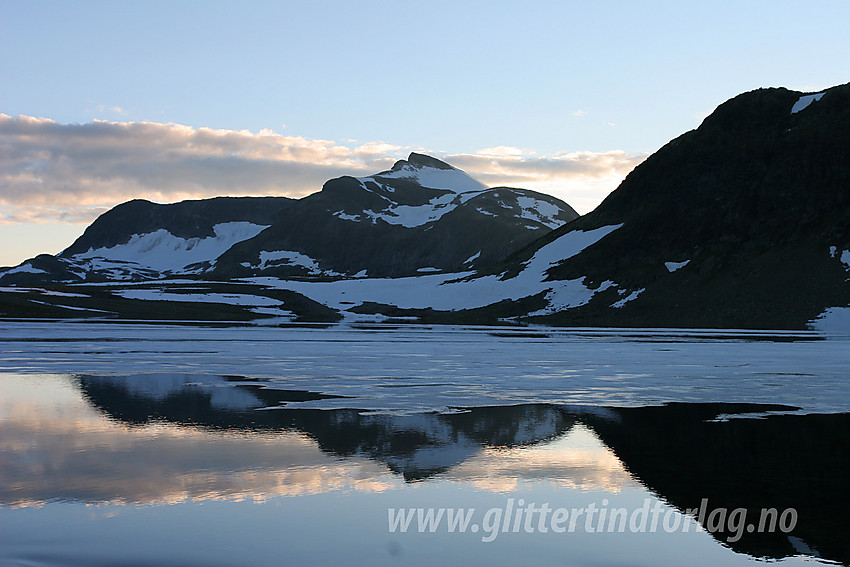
(186, 219)
(741, 222)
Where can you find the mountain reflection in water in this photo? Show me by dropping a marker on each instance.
(160, 438)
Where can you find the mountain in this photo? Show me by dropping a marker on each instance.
(143, 240)
(422, 215)
(743, 222)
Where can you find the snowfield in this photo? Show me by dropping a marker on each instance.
(451, 292)
(161, 251)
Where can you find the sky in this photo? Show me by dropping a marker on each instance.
(102, 102)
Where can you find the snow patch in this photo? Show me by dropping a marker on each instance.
(40, 291)
(567, 246)
(161, 251)
(70, 307)
(673, 266)
(289, 257)
(631, 297)
(277, 258)
(538, 210)
(225, 298)
(804, 101)
(411, 216)
(25, 268)
(835, 320)
(845, 259)
(274, 311)
(473, 257)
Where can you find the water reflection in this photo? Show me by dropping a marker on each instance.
(167, 438)
(171, 438)
(684, 453)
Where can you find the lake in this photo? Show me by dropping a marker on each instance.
(152, 444)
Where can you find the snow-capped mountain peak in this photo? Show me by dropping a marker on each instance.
(420, 215)
(429, 172)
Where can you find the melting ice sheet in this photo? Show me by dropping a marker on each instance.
(418, 368)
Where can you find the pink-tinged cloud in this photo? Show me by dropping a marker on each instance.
(52, 172)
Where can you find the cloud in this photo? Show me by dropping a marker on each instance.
(52, 172)
(582, 179)
(519, 168)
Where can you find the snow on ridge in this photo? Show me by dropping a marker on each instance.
(673, 266)
(453, 179)
(162, 251)
(804, 101)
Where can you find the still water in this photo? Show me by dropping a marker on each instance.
(124, 455)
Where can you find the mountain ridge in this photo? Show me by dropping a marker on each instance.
(422, 214)
(741, 222)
